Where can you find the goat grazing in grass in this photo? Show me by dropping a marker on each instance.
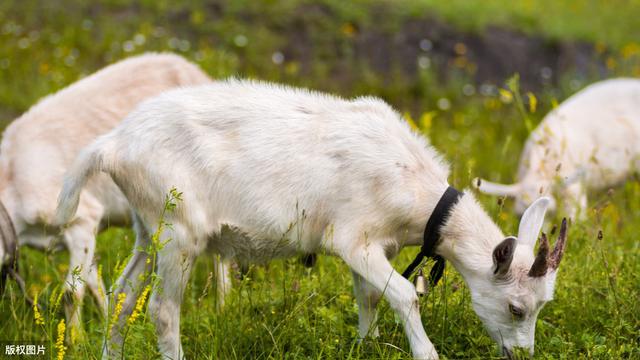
(590, 142)
(270, 171)
(39, 146)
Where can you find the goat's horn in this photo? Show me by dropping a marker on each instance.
(492, 188)
(541, 263)
(9, 241)
(558, 250)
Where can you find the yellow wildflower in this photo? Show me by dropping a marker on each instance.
(139, 305)
(55, 298)
(506, 96)
(60, 341)
(118, 309)
(197, 17)
(33, 289)
(100, 289)
(426, 119)
(36, 312)
(44, 68)
(292, 68)
(630, 50)
(460, 48)
(348, 29)
(119, 268)
(410, 121)
(63, 267)
(460, 62)
(533, 102)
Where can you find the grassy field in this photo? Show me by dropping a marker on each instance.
(285, 310)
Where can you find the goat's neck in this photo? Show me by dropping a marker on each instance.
(469, 237)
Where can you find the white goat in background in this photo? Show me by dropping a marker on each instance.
(251, 157)
(590, 142)
(39, 146)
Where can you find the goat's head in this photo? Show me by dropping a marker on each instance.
(509, 296)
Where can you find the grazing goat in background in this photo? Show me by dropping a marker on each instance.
(39, 146)
(590, 142)
(270, 171)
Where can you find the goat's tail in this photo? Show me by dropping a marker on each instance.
(89, 162)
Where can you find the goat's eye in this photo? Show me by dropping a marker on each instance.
(516, 311)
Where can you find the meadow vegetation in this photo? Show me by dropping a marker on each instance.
(284, 310)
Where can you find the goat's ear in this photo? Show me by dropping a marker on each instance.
(503, 255)
(492, 188)
(532, 220)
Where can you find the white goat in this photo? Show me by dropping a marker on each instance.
(590, 142)
(269, 171)
(39, 146)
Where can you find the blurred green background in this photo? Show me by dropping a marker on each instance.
(445, 65)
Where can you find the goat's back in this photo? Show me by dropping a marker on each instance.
(38, 147)
(598, 129)
(261, 157)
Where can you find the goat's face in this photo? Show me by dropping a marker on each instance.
(509, 297)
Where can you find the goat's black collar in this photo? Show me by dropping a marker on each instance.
(432, 236)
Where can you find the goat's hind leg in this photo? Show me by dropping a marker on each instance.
(175, 261)
(133, 279)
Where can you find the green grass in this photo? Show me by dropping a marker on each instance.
(595, 21)
(284, 310)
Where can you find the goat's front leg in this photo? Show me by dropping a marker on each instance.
(367, 297)
(369, 262)
(223, 279)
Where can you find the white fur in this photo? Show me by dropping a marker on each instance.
(39, 146)
(270, 171)
(590, 142)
